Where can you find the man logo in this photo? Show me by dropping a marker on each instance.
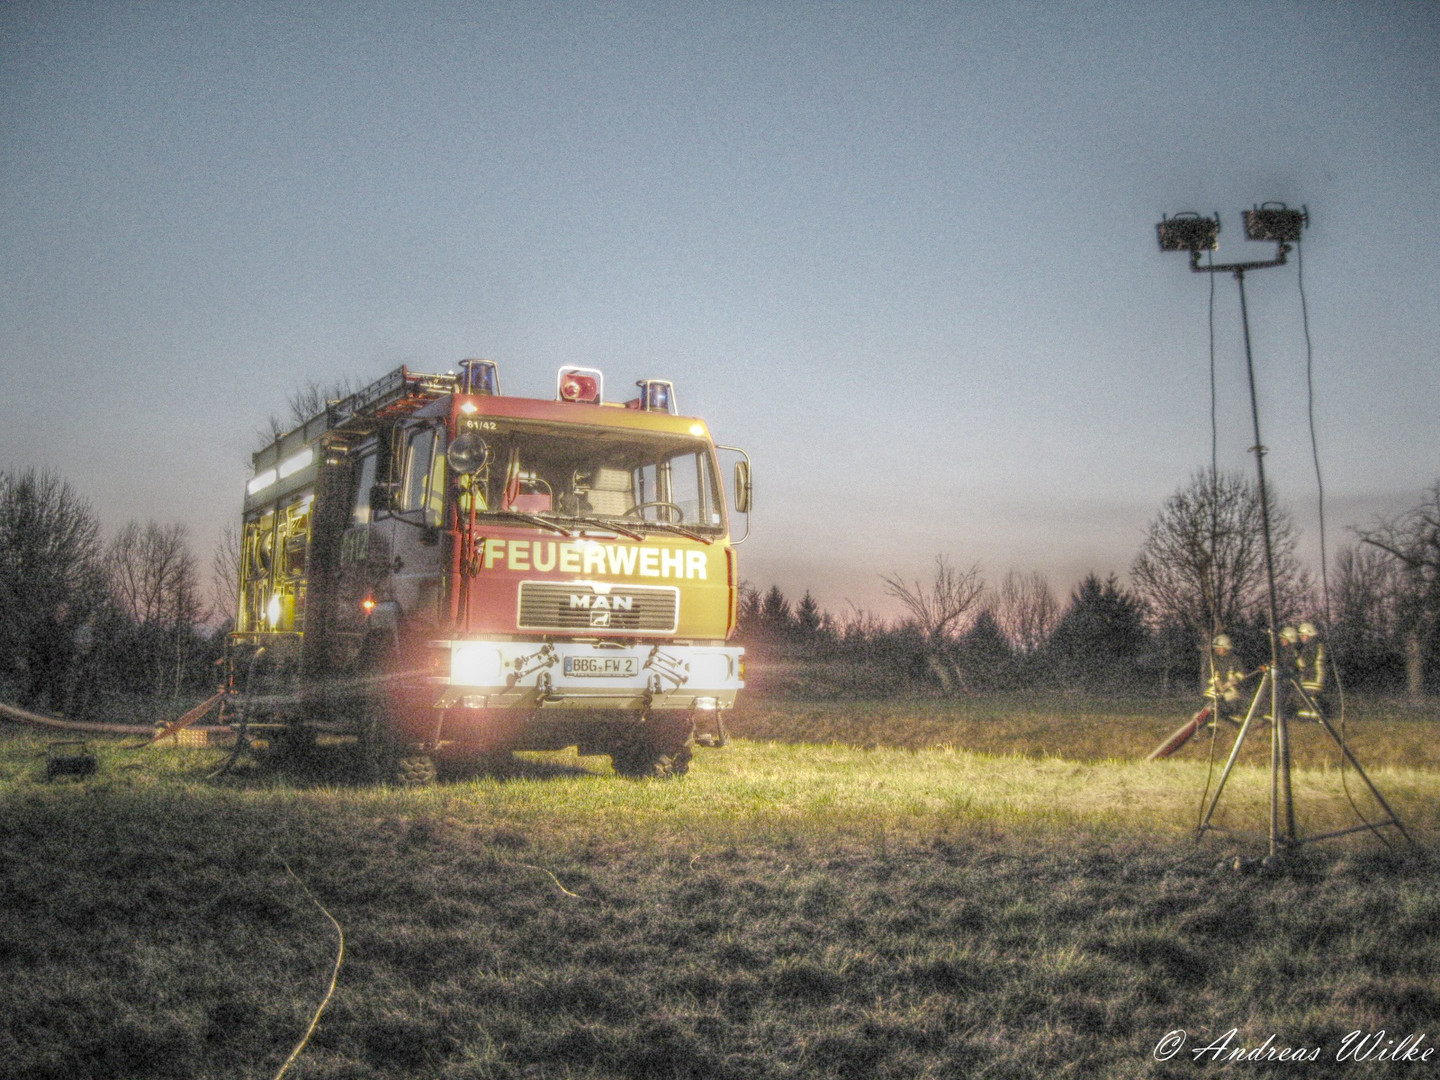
(601, 603)
(600, 606)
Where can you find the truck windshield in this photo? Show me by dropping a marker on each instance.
(636, 481)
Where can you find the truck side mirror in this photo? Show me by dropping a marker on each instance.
(742, 487)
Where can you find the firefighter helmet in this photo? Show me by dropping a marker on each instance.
(1222, 641)
(1289, 635)
(1307, 630)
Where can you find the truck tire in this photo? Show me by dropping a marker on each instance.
(386, 756)
(660, 751)
(415, 770)
(383, 760)
(376, 752)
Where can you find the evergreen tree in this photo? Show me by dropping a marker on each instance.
(776, 619)
(986, 657)
(808, 618)
(748, 609)
(1101, 637)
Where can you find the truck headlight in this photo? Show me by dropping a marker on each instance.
(709, 670)
(475, 664)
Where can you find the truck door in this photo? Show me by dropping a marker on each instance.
(417, 522)
(364, 546)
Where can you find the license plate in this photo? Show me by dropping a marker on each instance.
(603, 666)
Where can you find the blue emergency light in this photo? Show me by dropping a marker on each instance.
(657, 395)
(479, 377)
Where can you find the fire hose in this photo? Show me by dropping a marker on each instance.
(17, 715)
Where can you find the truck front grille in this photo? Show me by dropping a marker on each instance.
(558, 605)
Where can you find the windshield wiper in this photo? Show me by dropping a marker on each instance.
(635, 531)
(532, 519)
(609, 524)
(678, 529)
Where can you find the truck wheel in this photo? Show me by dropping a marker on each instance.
(659, 754)
(415, 770)
(674, 763)
(376, 749)
(386, 755)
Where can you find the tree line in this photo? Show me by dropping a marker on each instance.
(84, 618)
(1200, 571)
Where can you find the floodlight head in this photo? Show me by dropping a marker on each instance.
(1275, 222)
(1188, 231)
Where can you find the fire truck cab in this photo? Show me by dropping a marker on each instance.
(430, 566)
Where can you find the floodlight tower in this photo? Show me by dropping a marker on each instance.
(1277, 224)
(1190, 232)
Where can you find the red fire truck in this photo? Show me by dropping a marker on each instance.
(430, 566)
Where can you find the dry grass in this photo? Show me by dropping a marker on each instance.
(784, 911)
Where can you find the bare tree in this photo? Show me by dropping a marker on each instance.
(225, 573)
(942, 611)
(307, 400)
(1026, 610)
(1202, 565)
(154, 584)
(1365, 634)
(1413, 541)
(859, 626)
(50, 579)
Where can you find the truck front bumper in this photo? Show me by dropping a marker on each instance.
(576, 675)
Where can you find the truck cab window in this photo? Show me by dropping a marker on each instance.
(360, 513)
(625, 476)
(424, 490)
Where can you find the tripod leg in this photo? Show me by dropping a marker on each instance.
(1325, 720)
(1234, 753)
(1282, 798)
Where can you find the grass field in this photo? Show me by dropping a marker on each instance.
(991, 888)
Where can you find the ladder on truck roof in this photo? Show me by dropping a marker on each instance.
(398, 394)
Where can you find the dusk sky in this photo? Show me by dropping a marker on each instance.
(904, 254)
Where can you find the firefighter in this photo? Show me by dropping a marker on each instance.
(1310, 669)
(1226, 678)
(1289, 644)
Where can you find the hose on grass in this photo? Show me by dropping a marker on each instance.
(562, 888)
(340, 958)
(334, 976)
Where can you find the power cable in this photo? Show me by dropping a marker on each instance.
(1324, 555)
(334, 977)
(1314, 442)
